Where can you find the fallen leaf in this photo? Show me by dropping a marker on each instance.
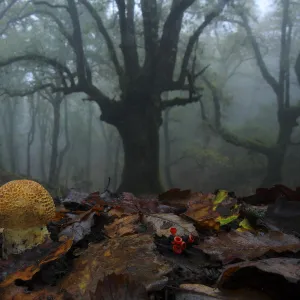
(163, 222)
(120, 287)
(228, 246)
(270, 195)
(204, 215)
(14, 292)
(176, 197)
(118, 212)
(132, 255)
(31, 261)
(79, 226)
(213, 212)
(94, 199)
(123, 226)
(204, 290)
(277, 277)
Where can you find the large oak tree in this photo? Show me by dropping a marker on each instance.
(142, 77)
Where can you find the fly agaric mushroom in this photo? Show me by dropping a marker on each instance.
(25, 209)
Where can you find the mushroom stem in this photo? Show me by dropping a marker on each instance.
(16, 241)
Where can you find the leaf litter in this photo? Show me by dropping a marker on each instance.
(175, 242)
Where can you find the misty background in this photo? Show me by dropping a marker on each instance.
(209, 143)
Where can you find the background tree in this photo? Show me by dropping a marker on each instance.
(287, 112)
(33, 103)
(142, 78)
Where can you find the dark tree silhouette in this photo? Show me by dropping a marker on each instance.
(137, 114)
(287, 114)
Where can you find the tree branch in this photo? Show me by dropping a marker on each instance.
(111, 49)
(128, 39)
(178, 102)
(43, 60)
(169, 42)
(195, 36)
(60, 25)
(7, 8)
(242, 142)
(226, 135)
(150, 24)
(28, 92)
(297, 68)
(283, 66)
(50, 5)
(259, 59)
(81, 61)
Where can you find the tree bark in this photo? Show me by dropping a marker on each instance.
(275, 162)
(33, 107)
(167, 149)
(139, 130)
(116, 163)
(43, 131)
(89, 143)
(8, 119)
(52, 180)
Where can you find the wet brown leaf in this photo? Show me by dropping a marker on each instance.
(123, 226)
(228, 246)
(203, 214)
(14, 292)
(163, 222)
(213, 211)
(120, 287)
(180, 198)
(29, 263)
(204, 290)
(118, 212)
(132, 255)
(277, 277)
(79, 226)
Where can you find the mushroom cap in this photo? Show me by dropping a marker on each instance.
(24, 204)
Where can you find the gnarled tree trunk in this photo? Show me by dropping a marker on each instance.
(139, 130)
(275, 161)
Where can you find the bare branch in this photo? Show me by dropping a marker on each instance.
(297, 68)
(150, 24)
(226, 135)
(195, 36)
(108, 40)
(27, 92)
(128, 39)
(179, 102)
(60, 25)
(43, 60)
(259, 59)
(242, 142)
(78, 43)
(169, 41)
(50, 5)
(7, 8)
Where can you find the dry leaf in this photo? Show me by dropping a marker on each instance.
(132, 255)
(204, 290)
(228, 246)
(163, 222)
(118, 287)
(31, 261)
(122, 227)
(277, 277)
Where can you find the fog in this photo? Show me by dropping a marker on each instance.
(234, 127)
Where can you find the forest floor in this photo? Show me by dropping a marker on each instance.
(176, 245)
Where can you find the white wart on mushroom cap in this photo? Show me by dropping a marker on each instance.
(25, 209)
